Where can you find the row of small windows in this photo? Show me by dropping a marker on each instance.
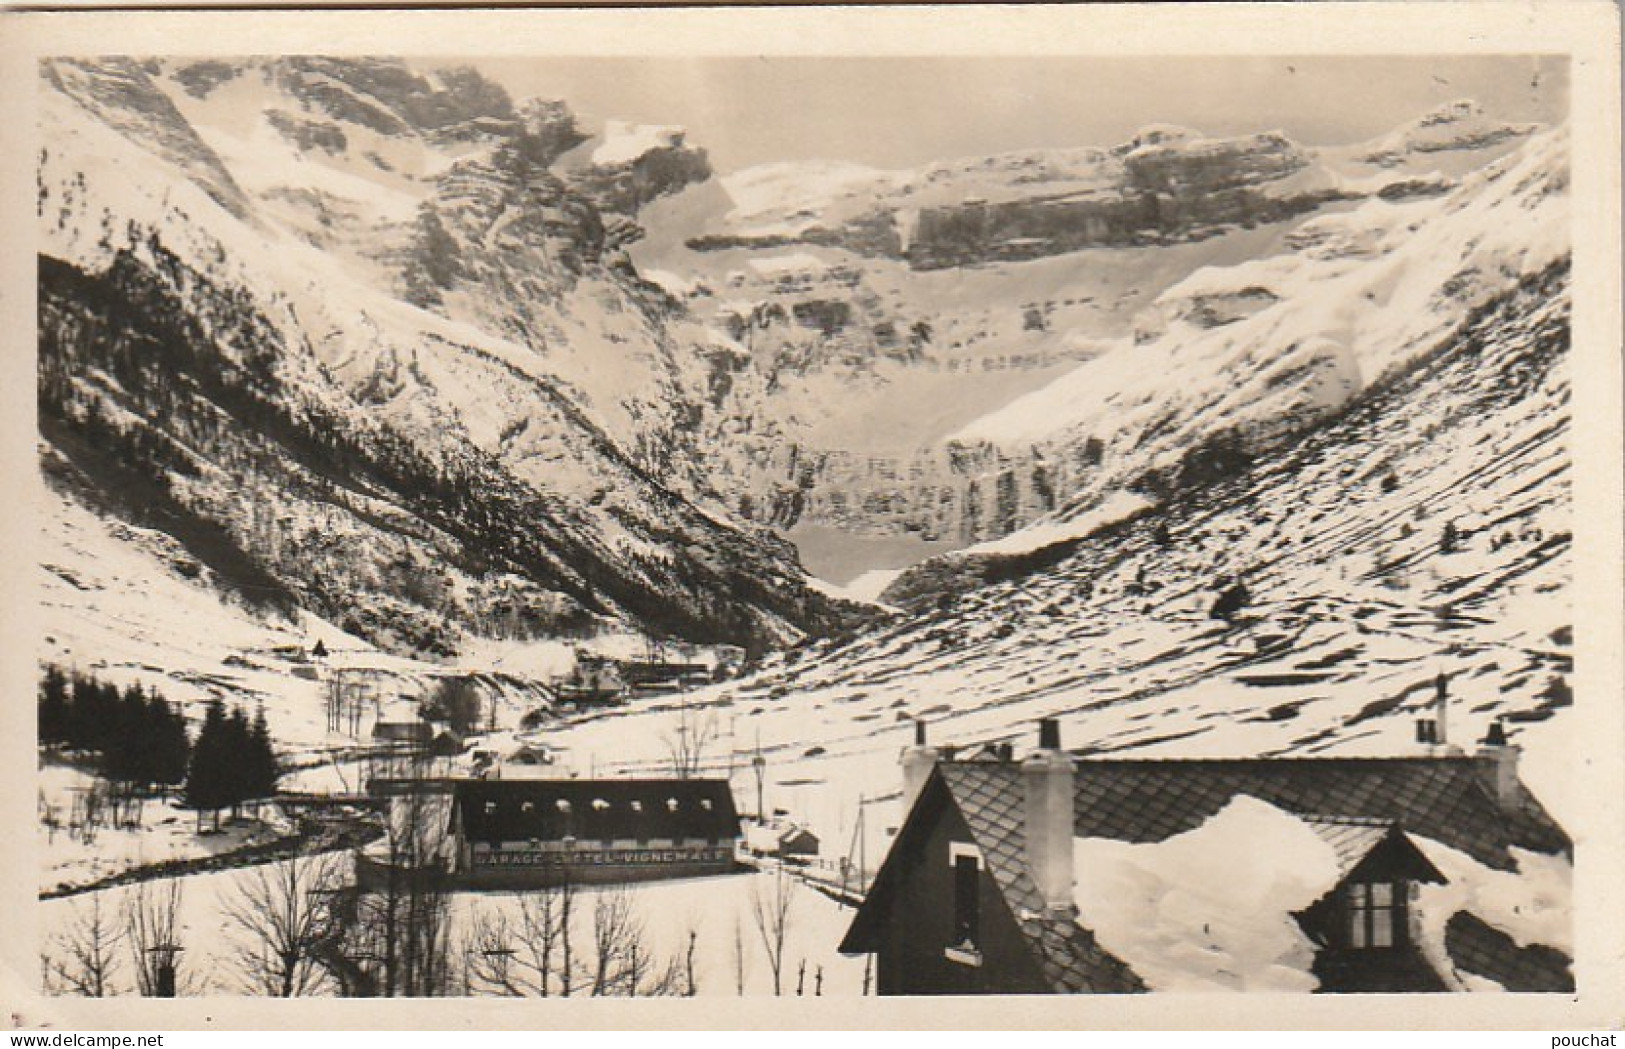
(599, 805)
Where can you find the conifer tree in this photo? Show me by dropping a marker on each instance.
(53, 706)
(1450, 539)
(238, 772)
(126, 750)
(170, 745)
(94, 705)
(261, 757)
(207, 786)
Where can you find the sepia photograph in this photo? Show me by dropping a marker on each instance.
(859, 523)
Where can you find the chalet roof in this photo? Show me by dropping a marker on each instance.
(1451, 799)
(595, 810)
(994, 808)
(1373, 847)
(776, 834)
(1355, 804)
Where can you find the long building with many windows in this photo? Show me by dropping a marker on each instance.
(527, 833)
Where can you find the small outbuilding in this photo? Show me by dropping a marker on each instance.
(781, 838)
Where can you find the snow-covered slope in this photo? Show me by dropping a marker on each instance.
(1234, 359)
(1357, 602)
(345, 329)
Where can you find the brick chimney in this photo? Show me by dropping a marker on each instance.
(1504, 757)
(918, 761)
(1046, 777)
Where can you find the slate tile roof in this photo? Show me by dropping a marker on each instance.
(992, 806)
(1450, 799)
(1351, 839)
(1477, 947)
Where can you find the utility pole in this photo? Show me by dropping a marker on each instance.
(760, 765)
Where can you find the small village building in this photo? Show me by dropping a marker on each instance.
(659, 676)
(530, 754)
(406, 734)
(595, 681)
(780, 838)
(525, 833)
(411, 748)
(1433, 872)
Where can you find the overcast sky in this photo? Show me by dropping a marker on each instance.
(900, 112)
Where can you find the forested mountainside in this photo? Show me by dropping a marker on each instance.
(277, 396)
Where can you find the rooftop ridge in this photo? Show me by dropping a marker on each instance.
(1084, 760)
(586, 784)
(1305, 759)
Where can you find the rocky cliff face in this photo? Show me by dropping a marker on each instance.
(1164, 185)
(622, 179)
(354, 342)
(876, 315)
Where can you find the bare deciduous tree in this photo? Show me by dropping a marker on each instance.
(151, 919)
(281, 916)
(50, 816)
(89, 812)
(489, 954)
(617, 935)
(83, 959)
(392, 936)
(544, 922)
(533, 954)
(689, 742)
(770, 909)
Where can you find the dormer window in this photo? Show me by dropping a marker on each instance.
(1376, 914)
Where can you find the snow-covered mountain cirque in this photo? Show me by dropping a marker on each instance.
(955, 352)
(341, 349)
